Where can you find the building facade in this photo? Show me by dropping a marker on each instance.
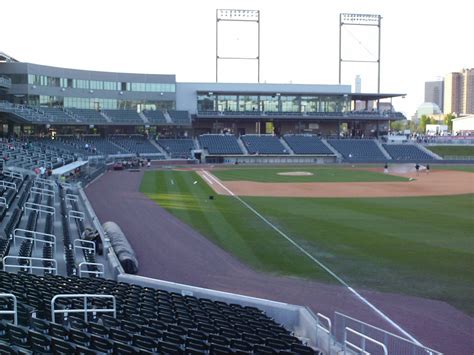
(434, 92)
(41, 85)
(38, 97)
(459, 92)
(467, 100)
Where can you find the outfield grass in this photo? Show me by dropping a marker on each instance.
(225, 222)
(320, 174)
(452, 150)
(420, 246)
(467, 168)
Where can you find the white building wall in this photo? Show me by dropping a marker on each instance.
(465, 123)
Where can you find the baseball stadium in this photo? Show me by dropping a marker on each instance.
(143, 215)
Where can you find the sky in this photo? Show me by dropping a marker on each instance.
(420, 40)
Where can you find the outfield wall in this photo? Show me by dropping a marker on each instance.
(271, 159)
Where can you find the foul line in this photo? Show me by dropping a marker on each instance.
(209, 181)
(329, 271)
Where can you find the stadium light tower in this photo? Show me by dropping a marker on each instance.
(242, 16)
(347, 19)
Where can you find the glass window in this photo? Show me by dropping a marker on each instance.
(206, 102)
(309, 104)
(80, 84)
(110, 85)
(269, 103)
(96, 85)
(289, 104)
(227, 102)
(248, 103)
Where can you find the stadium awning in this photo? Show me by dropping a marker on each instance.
(69, 167)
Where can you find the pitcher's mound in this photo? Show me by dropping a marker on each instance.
(296, 173)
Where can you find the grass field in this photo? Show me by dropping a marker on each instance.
(417, 246)
(452, 150)
(320, 174)
(467, 168)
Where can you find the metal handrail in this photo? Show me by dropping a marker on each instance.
(3, 202)
(347, 342)
(12, 174)
(328, 329)
(84, 310)
(76, 215)
(44, 181)
(34, 239)
(324, 329)
(40, 208)
(81, 246)
(99, 272)
(387, 334)
(71, 197)
(8, 185)
(14, 311)
(30, 267)
(43, 192)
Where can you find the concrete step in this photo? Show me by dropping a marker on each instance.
(157, 146)
(287, 147)
(382, 149)
(144, 118)
(242, 146)
(332, 149)
(107, 118)
(167, 117)
(429, 152)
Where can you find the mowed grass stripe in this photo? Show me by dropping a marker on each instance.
(226, 222)
(466, 168)
(421, 246)
(450, 150)
(320, 174)
(416, 246)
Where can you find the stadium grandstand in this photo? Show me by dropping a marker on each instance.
(165, 119)
(68, 283)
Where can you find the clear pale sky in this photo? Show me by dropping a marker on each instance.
(421, 40)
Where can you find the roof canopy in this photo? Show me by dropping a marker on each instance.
(6, 58)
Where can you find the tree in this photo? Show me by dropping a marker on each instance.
(448, 121)
(411, 125)
(424, 120)
(397, 126)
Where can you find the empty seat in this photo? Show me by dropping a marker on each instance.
(358, 150)
(306, 144)
(407, 152)
(264, 144)
(220, 144)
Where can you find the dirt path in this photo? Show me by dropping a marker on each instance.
(436, 183)
(170, 250)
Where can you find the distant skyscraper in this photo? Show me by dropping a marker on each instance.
(434, 92)
(459, 92)
(358, 84)
(467, 100)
